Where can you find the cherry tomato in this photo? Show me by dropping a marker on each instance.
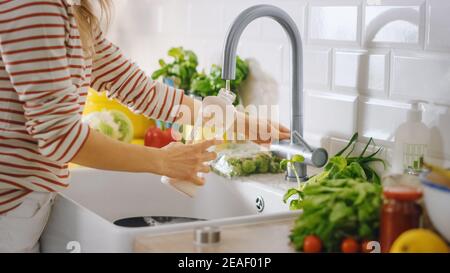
(349, 245)
(157, 138)
(364, 247)
(312, 244)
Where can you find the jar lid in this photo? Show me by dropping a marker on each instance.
(402, 193)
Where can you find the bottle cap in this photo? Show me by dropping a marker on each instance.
(227, 95)
(415, 112)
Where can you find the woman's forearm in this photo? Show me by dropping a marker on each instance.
(175, 160)
(102, 152)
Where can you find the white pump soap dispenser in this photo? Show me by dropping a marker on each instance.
(411, 142)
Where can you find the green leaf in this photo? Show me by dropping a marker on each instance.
(351, 151)
(339, 162)
(354, 170)
(320, 200)
(191, 57)
(297, 159)
(284, 163)
(374, 153)
(353, 139)
(175, 70)
(290, 193)
(158, 73)
(335, 165)
(339, 211)
(365, 148)
(364, 231)
(201, 85)
(162, 63)
(176, 52)
(294, 205)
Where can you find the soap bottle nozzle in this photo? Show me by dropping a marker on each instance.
(415, 112)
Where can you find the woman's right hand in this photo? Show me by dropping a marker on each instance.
(184, 161)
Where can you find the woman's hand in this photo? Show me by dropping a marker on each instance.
(185, 161)
(274, 130)
(262, 131)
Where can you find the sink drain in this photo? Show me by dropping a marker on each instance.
(152, 221)
(259, 203)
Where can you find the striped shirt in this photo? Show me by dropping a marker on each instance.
(44, 79)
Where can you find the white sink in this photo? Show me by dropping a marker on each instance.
(84, 214)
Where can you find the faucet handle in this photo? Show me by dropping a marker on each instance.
(302, 141)
(316, 157)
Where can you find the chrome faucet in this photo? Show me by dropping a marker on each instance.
(316, 157)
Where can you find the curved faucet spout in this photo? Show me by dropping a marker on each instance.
(297, 145)
(288, 24)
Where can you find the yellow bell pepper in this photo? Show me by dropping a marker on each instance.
(98, 101)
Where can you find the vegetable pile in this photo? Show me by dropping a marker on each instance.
(336, 209)
(341, 205)
(261, 162)
(243, 159)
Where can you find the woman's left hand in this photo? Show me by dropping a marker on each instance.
(263, 131)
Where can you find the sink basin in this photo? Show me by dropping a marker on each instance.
(83, 216)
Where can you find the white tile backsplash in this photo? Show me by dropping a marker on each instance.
(333, 23)
(364, 60)
(379, 118)
(439, 25)
(362, 71)
(269, 57)
(317, 68)
(330, 114)
(421, 76)
(395, 23)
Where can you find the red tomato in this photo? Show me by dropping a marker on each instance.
(157, 138)
(349, 245)
(312, 244)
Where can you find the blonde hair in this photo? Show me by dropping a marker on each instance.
(89, 23)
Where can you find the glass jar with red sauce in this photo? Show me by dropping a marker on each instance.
(400, 212)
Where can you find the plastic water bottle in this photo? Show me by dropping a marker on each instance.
(211, 106)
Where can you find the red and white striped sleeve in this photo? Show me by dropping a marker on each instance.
(123, 80)
(36, 61)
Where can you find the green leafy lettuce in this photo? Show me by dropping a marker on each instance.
(335, 209)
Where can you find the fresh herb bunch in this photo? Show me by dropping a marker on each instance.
(204, 85)
(342, 166)
(338, 208)
(182, 69)
(346, 166)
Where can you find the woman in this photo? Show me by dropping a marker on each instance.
(51, 52)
